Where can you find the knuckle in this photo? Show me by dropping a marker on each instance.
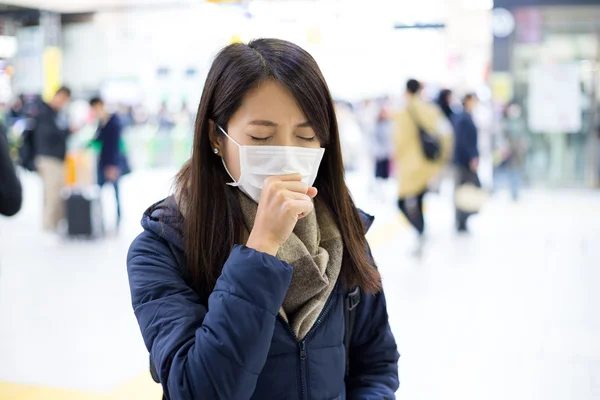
(273, 186)
(287, 206)
(268, 183)
(280, 194)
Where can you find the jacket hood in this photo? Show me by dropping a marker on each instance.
(164, 219)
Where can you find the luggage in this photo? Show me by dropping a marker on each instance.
(84, 212)
(82, 197)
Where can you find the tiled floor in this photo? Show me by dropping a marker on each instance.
(510, 312)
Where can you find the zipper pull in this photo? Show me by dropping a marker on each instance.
(303, 350)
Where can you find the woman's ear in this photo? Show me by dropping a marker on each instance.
(214, 137)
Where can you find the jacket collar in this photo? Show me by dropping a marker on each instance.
(367, 219)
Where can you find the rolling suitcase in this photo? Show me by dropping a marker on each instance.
(84, 212)
(82, 198)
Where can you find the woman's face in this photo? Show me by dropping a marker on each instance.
(268, 116)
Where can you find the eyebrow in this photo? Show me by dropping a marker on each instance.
(263, 122)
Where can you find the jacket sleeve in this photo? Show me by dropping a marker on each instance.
(373, 353)
(213, 352)
(10, 186)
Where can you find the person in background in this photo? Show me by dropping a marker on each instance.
(242, 291)
(108, 137)
(367, 112)
(415, 170)
(509, 150)
(165, 118)
(382, 145)
(162, 154)
(466, 152)
(10, 186)
(444, 100)
(125, 115)
(50, 142)
(184, 118)
(351, 138)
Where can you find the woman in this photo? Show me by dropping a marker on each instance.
(240, 293)
(444, 101)
(416, 171)
(382, 145)
(466, 153)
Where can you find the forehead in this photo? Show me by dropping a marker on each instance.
(270, 100)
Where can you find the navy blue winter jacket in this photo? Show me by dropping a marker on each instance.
(236, 346)
(109, 135)
(465, 140)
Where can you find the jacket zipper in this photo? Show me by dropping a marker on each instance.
(302, 343)
(321, 317)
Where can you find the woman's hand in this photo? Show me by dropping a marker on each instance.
(283, 201)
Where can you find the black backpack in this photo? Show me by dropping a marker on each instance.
(351, 301)
(430, 144)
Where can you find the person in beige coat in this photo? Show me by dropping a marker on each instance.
(415, 170)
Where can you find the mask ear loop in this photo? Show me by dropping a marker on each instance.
(234, 183)
(229, 137)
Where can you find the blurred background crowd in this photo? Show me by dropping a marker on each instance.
(103, 94)
(533, 69)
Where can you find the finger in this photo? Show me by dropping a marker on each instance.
(286, 178)
(299, 187)
(298, 196)
(312, 192)
(299, 207)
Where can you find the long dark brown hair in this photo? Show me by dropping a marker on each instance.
(212, 216)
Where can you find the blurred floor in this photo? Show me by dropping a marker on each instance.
(509, 312)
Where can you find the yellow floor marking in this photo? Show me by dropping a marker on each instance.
(140, 388)
(143, 387)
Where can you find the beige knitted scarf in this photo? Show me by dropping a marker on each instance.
(314, 250)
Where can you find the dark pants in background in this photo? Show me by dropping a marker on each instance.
(412, 208)
(101, 181)
(382, 168)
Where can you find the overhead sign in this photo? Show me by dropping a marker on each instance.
(554, 103)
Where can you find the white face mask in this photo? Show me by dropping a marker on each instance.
(257, 163)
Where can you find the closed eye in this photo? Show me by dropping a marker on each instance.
(308, 139)
(260, 140)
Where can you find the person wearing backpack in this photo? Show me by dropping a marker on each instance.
(423, 143)
(246, 281)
